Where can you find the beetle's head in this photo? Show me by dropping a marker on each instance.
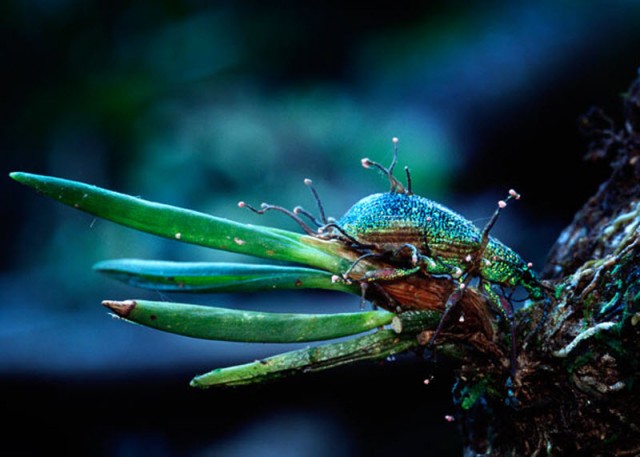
(537, 291)
(529, 280)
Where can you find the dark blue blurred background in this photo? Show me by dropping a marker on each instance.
(202, 104)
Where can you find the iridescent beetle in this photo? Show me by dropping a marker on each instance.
(420, 235)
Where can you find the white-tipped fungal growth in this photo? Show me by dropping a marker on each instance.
(502, 204)
(366, 163)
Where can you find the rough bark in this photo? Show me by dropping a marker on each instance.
(576, 388)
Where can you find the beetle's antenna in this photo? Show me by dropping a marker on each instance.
(368, 163)
(408, 173)
(311, 217)
(501, 205)
(266, 207)
(309, 184)
(396, 186)
(394, 160)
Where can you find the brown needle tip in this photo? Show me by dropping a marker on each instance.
(120, 308)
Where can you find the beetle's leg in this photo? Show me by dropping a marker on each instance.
(507, 311)
(342, 235)
(364, 287)
(363, 294)
(435, 266)
(453, 300)
(545, 311)
(372, 276)
(346, 274)
(391, 273)
(267, 207)
(501, 205)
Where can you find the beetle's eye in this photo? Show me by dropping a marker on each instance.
(528, 275)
